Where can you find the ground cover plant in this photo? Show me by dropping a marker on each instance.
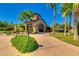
(22, 44)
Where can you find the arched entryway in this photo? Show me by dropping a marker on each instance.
(41, 28)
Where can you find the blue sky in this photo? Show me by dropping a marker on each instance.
(10, 11)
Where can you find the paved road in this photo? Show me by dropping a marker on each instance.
(50, 47)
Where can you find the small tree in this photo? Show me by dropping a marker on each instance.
(26, 16)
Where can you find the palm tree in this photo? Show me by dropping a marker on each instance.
(26, 16)
(53, 5)
(69, 12)
(73, 7)
(63, 9)
(76, 8)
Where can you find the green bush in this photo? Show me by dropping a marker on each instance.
(7, 32)
(3, 29)
(21, 29)
(23, 44)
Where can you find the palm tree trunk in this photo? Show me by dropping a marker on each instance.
(75, 24)
(53, 32)
(65, 24)
(26, 30)
(25, 27)
(69, 31)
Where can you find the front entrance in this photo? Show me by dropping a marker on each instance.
(41, 28)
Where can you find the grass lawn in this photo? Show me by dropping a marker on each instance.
(68, 38)
(22, 44)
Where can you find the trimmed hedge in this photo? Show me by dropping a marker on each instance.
(23, 44)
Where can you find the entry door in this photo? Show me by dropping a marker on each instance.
(41, 27)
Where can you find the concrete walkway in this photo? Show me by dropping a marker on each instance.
(6, 48)
(51, 47)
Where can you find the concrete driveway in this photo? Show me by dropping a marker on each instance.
(50, 47)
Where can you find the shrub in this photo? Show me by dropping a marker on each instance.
(23, 44)
(21, 29)
(7, 32)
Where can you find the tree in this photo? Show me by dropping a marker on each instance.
(3, 25)
(69, 12)
(63, 9)
(53, 5)
(74, 7)
(26, 16)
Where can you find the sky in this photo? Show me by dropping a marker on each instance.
(10, 12)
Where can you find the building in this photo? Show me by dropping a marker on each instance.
(37, 24)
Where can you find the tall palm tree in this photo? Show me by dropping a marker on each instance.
(63, 9)
(69, 12)
(70, 22)
(53, 5)
(74, 7)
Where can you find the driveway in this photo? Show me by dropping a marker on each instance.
(49, 46)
